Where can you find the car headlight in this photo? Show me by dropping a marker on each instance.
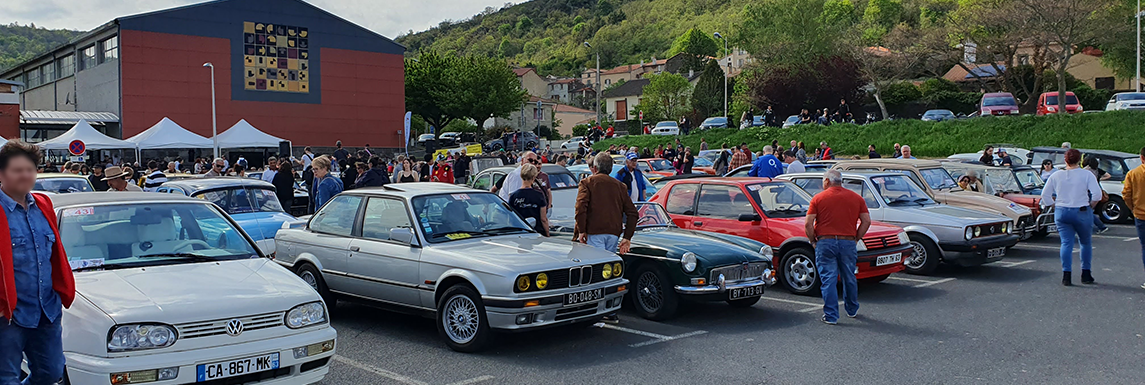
(977, 230)
(306, 314)
(766, 252)
(969, 233)
(542, 281)
(523, 283)
(606, 271)
(688, 262)
(1052, 109)
(903, 238)
(140, 337)
(617, 270)
(1005, 227)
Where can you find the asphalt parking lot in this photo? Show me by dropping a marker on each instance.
(1007, 322)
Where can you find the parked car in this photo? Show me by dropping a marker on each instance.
(581, 171)
(459, 254)
(660, 183)
(1017, 155)
(938, 115)
(60, 183)
(1116, 163)
(998, 103)
(714, 122)
(525, 140)
(666, 128)
(1126, 101)
(170, 289)
(1003, 182)
(653, 167)
(1048, 103)
(773, 212)
(937, 182)
(811, 166)
(668, 265)
(937, 232)
(791, 121)
(250, 202)
(448, 138)
(425, 138)
(559, 177)
(298, 207)
(573, 143)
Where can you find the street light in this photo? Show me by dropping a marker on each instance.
(1137, 85)
(726, 74)
(597, 87)
(214, 117)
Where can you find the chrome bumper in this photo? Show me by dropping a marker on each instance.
(720, 288)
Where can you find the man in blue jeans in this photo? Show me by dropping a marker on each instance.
(1134, 194)
(831, 228)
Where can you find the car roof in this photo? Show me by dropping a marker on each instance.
(97, 197)
(739, 181)
(998, 94)
(850, 174)
(546, 168)
(199, 184)
(918, 163)
(973, 166)
(47, 175)
(415, 189)
(1054, 92)
(1109, 153)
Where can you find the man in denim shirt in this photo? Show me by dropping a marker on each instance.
(37, 280)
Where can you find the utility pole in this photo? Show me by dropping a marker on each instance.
(728, 73)
(597, 86)
(1137, 80)
(214, 117)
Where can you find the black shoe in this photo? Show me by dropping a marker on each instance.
(1067, 279)
(611, 318)
(1086, 277)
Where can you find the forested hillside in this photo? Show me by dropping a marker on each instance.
(21, 42)
(548, 34)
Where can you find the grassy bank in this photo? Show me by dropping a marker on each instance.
(1121, 131)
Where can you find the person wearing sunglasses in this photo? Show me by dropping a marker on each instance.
(218, 168)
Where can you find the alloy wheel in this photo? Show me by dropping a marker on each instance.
(309, 278)
(460, 319)
(918, 257)
(1112, 211)
(800, 272)
(648, 292)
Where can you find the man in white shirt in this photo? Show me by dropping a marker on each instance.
(307, 157)
(793, 164)
(513, 181)
(271, 169)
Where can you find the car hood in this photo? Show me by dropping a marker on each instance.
(946, 215)
(194, 291)
(1025, 199)
(980, 201)
(511, 254)
(714, 249)
(877, 229)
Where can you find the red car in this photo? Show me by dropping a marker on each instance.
(658, 166)
(1048, 103)
(774, 212)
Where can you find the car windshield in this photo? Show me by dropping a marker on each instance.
(994, 101)
(900, 190)
(63, 185)
(937, 113)
(1001, 181)
(660, 165)
(133, 235)
(666, 124)
(452, 217)
(558, 181)
(1052, 99)
(240, 200)
(652, 215)
(703, 162)
(1055, 157)
(1132, 96)
(780, 199)
(1029, 179)
(716, 121)
(938, 178)
(793, 119)
(1132, 163)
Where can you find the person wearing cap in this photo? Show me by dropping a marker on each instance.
(442, 172)
(1004, 158)
(96, 178)
(632, 177)
(116, 180)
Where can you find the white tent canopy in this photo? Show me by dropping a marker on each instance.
(166, 135)
(244, 135)
(3, 141)
(92, 139)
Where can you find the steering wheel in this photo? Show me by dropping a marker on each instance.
(191, 243)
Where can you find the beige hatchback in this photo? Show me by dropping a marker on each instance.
(940, 185)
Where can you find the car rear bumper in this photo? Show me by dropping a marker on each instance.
(867, 260)
(552, 311)
(87, 369)
(974, 253)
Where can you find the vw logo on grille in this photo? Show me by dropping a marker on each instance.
(234, 327)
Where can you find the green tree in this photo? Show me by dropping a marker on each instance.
(429, 80)
(524, 23)
(781, 31)
(490, 88)
(666, 96)
(697, 45)
(708, 95)
(444, 88)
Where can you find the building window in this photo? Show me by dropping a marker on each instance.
(33, 78)
(48, 73)
(1024, 59)
(607, 81)
(87, 60)
(109, 49)
(1106, 83)
(67, 65)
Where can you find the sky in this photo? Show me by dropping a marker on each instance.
(387, 17)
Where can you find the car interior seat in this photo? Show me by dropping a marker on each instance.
(161, 238)
(76, 244)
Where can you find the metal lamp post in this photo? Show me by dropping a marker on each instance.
(721, 37)
(1137, 80)
(214, 117)
(597, 87)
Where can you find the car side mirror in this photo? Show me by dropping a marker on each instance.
(401, 235)
(753, 217)
(532, 222)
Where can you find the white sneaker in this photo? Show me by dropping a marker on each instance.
(853, 315)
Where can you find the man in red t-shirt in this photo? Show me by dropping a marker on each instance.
(836, 220)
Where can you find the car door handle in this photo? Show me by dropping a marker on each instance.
(355, 248)
(697, 223)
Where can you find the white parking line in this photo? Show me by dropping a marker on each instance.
(379, 371)
(1046, 247)
(657, 338)
(656, 341)
(817, 307)
(633, 331)
(909, 279)
(1012, 264)
(790, 301)
(1130, 239)
(473, 380)
(932, 283)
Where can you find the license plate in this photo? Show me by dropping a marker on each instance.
(237, 367)
(584, 296)
(996, 252)
(745, 292)
(1052, 228)
(888, 259)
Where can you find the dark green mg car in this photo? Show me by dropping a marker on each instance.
(667, 265)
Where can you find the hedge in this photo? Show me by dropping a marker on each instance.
(1120, 130)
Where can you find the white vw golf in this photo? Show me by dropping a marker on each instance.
(171, 291)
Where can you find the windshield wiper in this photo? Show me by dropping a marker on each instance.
(194, 257)
(504, 230)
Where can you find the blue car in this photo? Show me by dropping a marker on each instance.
(251, 202)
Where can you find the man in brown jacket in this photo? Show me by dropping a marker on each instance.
(602, 206)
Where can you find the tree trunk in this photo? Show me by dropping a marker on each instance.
(1061, 84)
(879, 100)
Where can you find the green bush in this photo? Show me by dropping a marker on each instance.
(900, 93)
(1107, 130)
